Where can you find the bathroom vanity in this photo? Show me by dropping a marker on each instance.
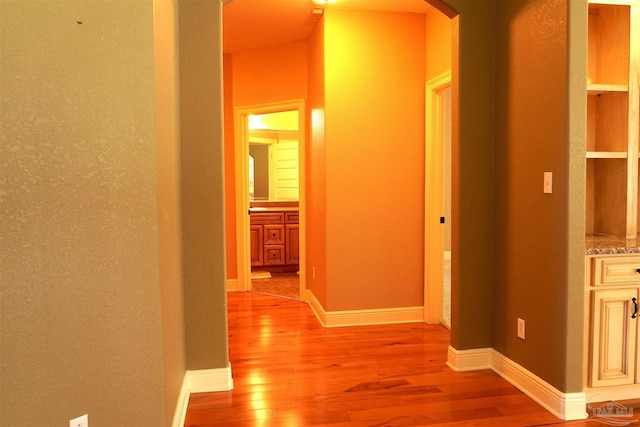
(275, 236)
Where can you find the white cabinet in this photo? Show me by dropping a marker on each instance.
(614, 288)
(613, 356)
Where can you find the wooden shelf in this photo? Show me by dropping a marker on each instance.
(599, 89)
(611, 2)
(612, 117)
(606, 154)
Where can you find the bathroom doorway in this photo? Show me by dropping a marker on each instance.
(268, 187)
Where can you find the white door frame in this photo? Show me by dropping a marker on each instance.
(434, 198)
(241, 154)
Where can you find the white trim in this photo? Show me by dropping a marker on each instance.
(434, 198)
(615, 393)
(469, 360)
(566, 406)
(232, 285)
(200, 381)
(381, 316)
(180, 415)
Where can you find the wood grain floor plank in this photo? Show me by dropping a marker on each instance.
(290, 372)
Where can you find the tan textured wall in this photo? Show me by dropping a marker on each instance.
(202, 164)
(473, 134)
(533, 123)
(374, 154)
(229, 170)
(531, 139)
(499, 207)
(80, 297)
(169, 221)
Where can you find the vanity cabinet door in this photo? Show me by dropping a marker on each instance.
(292, 243)
(614, 332)
(256, 237)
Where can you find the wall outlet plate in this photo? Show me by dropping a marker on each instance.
(82, 421)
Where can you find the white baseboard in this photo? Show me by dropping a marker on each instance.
(469, 360)
(566, 406)
(383, 316)
(232, 285)
(613, 393)
(200, 381)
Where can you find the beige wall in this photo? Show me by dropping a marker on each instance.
(169, 215)
(518, 252)
(202, 164)
(82, 307)
(473, 134)
(316, 187)
(231, 246)
(531, 139)
(374, 65)
(265, 76)
(438, 44)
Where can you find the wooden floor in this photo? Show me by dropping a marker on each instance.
(289, 371)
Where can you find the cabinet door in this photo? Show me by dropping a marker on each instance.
(613, 350)
(292, 243)
(256, 234)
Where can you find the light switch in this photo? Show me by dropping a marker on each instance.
(548, 183)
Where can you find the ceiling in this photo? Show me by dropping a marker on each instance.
(254, 24)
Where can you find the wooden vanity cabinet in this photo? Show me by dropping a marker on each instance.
(614, 288)
(292, 238)
(274, 238)
(256, 238)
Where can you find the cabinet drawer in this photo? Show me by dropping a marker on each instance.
(273, 234)
(267, 218)
(292, 217)
(274, 255)
(615, 271)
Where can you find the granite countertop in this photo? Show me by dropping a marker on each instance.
(597, 244)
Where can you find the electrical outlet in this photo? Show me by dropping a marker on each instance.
(82, 421)
(521, 329)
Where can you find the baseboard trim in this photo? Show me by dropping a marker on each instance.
(200, 381)
(469, 360)
(232, 285)
(566, 406)
(383, 316)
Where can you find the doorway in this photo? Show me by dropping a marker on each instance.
(438, 112)
(253, 196)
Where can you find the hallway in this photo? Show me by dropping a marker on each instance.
(289, 371)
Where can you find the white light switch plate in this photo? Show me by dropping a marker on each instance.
(548, 182)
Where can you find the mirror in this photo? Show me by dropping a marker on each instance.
(273, 156)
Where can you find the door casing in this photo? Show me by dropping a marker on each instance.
(434, 198)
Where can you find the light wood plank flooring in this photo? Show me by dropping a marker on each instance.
(289, 371)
